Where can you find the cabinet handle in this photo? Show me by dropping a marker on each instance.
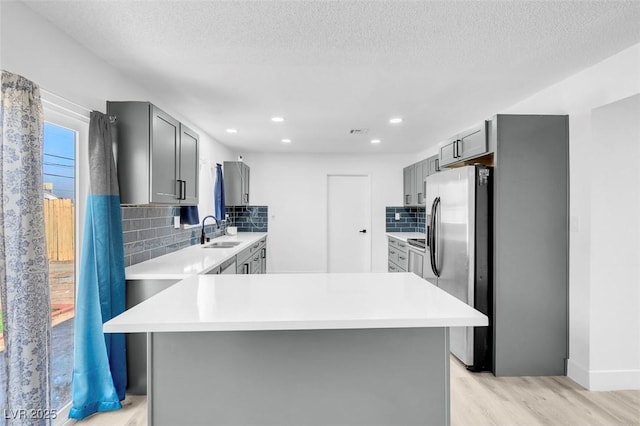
(246, 268)
(264, 253)
(392, 252)
(402, 258)
(184, 190)
(407, 199)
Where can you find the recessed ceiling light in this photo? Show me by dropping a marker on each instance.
(232, 130)
(395, 120)
(277, 119)
(286, 140)
(374, 141)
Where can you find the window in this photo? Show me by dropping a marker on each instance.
(64, 166)
(59, 178)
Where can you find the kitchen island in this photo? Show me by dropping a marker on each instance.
(298, 349)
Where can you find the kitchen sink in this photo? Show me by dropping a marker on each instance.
(223, 244)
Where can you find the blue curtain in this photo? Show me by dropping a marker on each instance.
(99, 371)
(24, 269)
(218, 194)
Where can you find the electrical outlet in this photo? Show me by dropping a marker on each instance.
(176, 222)
(397, 216)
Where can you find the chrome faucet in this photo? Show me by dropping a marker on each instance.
(202, 235)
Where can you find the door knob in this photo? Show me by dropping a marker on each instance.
(364, 231)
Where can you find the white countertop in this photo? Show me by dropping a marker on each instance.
(296, 302)
(403, 236)
(191, 260)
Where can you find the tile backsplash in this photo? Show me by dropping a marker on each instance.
(148, 231)
(412, 219)
(249, 218)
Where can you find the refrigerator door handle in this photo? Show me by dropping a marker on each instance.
(433, 237)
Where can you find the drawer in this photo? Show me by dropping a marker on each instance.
(395, 268)
(400, 245)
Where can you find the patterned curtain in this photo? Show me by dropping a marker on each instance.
(99, 366)
(24, 270)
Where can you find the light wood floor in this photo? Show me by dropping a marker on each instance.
(479, 399)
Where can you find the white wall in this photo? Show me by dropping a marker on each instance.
(604, 302)
(294, 186)
(32, 47)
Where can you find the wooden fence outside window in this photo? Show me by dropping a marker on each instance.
(59, 217)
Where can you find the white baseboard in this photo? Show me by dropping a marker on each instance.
(603, 380)
(607, 380)
(578, 374)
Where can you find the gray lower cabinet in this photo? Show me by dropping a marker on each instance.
(465, 145)
(398, 255)
(236, 183)
(253, 260)
(157, 156)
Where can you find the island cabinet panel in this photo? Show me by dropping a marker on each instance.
(157, 156)
(301, 377)
(138, 291)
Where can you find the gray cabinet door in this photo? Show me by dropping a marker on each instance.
(433, 165)
(409, 185)
(448, 153)
(157, 157)
(189, 165)
(466, 145)
(236, 183)
(246, 177)
(165, 144)
(422, 169)
(473, 142)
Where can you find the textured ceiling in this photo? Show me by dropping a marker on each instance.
(331, 66)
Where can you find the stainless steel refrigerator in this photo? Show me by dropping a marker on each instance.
(458, 208)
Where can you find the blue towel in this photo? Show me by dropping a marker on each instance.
(218, 194)
(189, 215)
(99, 368)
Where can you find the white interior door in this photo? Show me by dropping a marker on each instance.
(349, 223)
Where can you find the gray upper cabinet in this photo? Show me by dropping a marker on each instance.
(465, 146)
(236, 183)
(433, 164)
(409, 198)
(413, 183)
(157, 156)
(420, 187)
(189, 165)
